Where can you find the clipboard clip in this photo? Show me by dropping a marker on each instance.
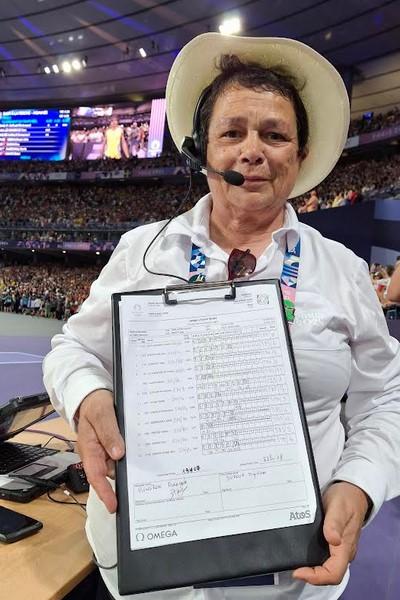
(198, 287)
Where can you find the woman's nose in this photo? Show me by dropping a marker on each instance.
(252, 149)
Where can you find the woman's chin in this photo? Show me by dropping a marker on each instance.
(254, 200)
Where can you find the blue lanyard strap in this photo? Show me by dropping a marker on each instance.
(290, 272)
(197, 265)
(288, 280)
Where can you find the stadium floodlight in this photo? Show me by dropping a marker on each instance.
(47, 70)
(97, 252)
(84, 62)
(76, 64)
(230, 26)
(66, 66)
(56, 68)
(142, 52)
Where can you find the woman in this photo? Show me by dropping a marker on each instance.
(393, 290)
(261, 141)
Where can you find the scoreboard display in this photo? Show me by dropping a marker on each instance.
(34, 134)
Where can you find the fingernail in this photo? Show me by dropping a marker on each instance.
(115, 452)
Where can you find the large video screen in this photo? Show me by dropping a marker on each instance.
(117, 131)
(34, 134)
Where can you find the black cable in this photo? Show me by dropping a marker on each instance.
(48, 441)
(53, 436)
(57, 437)
(102, 566)
(83, 507)
(163, 228)
(75, 501)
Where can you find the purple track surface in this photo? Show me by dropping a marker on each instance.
(20, 365)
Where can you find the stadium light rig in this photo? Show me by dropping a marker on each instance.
(66, 66)
(76, 64)
(230, 26)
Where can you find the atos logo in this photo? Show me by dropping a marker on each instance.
(298, 516)
(156, 535)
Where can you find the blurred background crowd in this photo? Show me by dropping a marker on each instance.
(39, 210)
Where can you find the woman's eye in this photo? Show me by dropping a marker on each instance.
(275, 136)
(231, 133)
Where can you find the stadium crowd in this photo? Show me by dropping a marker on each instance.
(88, 206)
(57, 292)
(51, 290)
(95, 212)
(44, 168)
(373, 122)
(99, 207)
(353, 182)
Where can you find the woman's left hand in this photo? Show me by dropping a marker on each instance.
(345, 508)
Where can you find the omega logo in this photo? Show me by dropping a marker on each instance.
(156, 535)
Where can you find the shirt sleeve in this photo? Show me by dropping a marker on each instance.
(370, 458)
(81, 357)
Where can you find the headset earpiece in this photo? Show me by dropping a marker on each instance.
(197, 145)
(193, 148)
(189, 152)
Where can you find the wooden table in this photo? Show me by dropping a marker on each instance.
(50, 563)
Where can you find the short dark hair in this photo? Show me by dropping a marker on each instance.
(253, 76)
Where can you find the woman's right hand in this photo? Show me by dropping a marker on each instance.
(100, 443)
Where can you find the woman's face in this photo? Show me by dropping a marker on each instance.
(255, 133)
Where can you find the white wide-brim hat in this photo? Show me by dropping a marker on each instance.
(323, 93)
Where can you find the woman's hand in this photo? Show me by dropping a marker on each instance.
(345, 508)
(100, 443)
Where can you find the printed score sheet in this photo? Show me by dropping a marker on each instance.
(214, 440)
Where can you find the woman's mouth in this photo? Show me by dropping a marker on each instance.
(254, 178)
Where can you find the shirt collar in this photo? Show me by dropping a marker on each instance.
(195, 224)
(290, 229)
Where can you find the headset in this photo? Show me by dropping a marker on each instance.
(193, 148)
(194, 151)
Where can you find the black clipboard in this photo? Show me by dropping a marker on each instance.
(233, 557)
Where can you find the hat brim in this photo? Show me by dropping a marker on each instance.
(323, 93)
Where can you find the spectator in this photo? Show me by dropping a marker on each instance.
(393, 290)
(313, 202)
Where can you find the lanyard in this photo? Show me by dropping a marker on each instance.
(288, 280)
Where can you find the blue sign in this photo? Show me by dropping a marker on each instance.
(34, 134)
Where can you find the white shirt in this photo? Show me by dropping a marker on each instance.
(341, 343)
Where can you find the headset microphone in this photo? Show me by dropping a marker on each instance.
(189, 152)
(231, 177)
